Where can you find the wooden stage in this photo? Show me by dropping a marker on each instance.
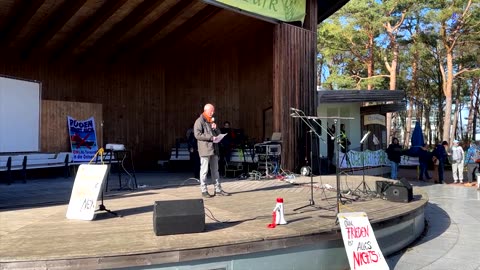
(41, 237)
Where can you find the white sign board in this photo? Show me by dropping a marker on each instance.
(372, 119)
(86, 191)
(19, 115)
(360, 243)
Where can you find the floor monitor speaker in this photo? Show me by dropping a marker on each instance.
(398, 193)
(178, 216)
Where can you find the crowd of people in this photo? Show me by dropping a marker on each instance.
(441, 155)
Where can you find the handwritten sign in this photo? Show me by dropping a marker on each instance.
(360, 243)
(86, 191)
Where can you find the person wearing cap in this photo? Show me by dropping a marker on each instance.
(473, 154)
(458, 157)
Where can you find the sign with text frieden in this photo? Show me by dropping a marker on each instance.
(360, 243)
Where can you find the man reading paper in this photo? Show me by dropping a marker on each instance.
(208, 136)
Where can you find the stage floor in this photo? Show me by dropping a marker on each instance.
(42, 236)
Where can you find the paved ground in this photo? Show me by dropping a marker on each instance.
(451, 240)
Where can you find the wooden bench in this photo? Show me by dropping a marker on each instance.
(30, 161)
(13, 163)
(180, 153)
(179, 158)
(49, 160)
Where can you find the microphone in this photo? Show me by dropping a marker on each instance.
(212, 122)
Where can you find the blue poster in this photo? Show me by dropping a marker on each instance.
(83, 139)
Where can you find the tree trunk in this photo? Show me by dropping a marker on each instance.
(447, 91)
(428, 125)
(473, 108)
(454, 134)
(392, 68)
(370, 59)
(477, 104)
(411, 100)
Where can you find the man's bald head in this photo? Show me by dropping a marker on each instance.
(209, 109)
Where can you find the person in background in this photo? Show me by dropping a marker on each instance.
(193, 151)
(344, 141)
(394, 153)
(228, 142)
(331, 142)
(473, 154)
(206, 132)
(441, 155)
(424, 157)
(458, 157)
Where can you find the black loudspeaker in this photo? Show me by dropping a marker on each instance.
(178, 216)
(399, 193)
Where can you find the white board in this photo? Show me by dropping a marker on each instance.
(360, 243)
(19, 115)
(86, 191)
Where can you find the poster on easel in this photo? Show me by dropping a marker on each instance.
(86, 191)
(83, 139)
(360, 243)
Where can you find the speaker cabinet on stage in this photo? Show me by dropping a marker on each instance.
(399, 192)
(178, 216)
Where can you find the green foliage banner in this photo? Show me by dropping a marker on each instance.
(283, 10)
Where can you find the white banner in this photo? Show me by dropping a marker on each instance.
(357, 159)
(360, 243)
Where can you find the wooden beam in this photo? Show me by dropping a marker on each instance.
(383, 109)
(21, 13)
(52, 25)
(104, 44)
(189, 26)
(150, 31)
(81, 33)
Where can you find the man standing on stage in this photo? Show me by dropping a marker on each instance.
(206, 131)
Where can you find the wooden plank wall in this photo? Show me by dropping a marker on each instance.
(54, 135)
(236, 79)
(294, 86)
(132, 95)
(147, 106)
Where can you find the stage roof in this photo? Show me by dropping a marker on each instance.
(57, 29)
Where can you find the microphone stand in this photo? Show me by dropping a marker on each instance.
(366, 189)
(303, 117)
